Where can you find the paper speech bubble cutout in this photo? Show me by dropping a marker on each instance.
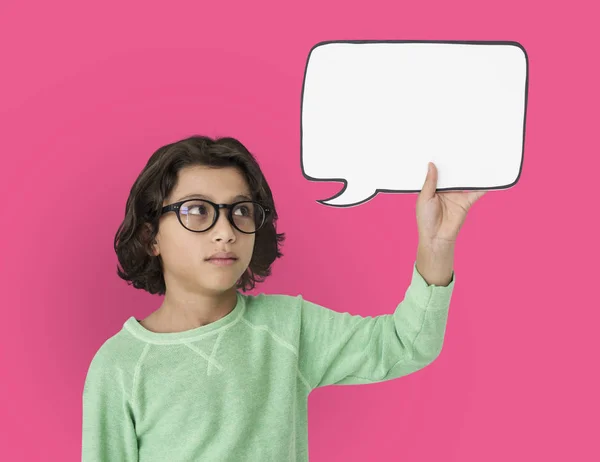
(374, 113)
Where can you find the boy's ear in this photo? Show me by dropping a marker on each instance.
(153, 248)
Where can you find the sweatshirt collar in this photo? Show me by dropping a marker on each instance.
(133, 326)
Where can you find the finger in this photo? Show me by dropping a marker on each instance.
(430, 184)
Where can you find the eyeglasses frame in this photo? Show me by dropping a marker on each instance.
(176, 207)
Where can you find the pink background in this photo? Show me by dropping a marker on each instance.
(89, 92)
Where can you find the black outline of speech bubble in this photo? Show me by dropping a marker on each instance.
(377, 191)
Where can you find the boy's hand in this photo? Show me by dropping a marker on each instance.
(440, 215)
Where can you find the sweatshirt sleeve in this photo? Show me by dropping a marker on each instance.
(108, 426)
(343, 349)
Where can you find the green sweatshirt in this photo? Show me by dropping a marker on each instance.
(237, 389)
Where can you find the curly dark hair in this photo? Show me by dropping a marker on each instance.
(139, 228)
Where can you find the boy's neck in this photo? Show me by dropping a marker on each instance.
(178, 315)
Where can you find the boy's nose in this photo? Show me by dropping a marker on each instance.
(223, 228)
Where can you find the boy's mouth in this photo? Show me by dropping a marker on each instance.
(223, 256)
(222, 261)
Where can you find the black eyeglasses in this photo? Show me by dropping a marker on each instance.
(199, 215)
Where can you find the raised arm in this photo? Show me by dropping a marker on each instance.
(343, 349)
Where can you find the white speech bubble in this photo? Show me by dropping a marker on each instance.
(374, 113)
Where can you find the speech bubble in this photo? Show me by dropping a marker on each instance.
(374, 113)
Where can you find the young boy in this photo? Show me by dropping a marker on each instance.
(218, 375)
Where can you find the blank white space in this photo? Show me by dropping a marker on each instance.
(374, 114)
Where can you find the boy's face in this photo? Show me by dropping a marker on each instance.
(185, 253)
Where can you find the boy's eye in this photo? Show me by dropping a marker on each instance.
(244, 210)
(197, 210)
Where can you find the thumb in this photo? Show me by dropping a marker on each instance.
(430, 184)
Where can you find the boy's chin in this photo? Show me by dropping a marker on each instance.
(222, 284)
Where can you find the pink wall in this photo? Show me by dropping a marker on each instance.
(88, 93)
